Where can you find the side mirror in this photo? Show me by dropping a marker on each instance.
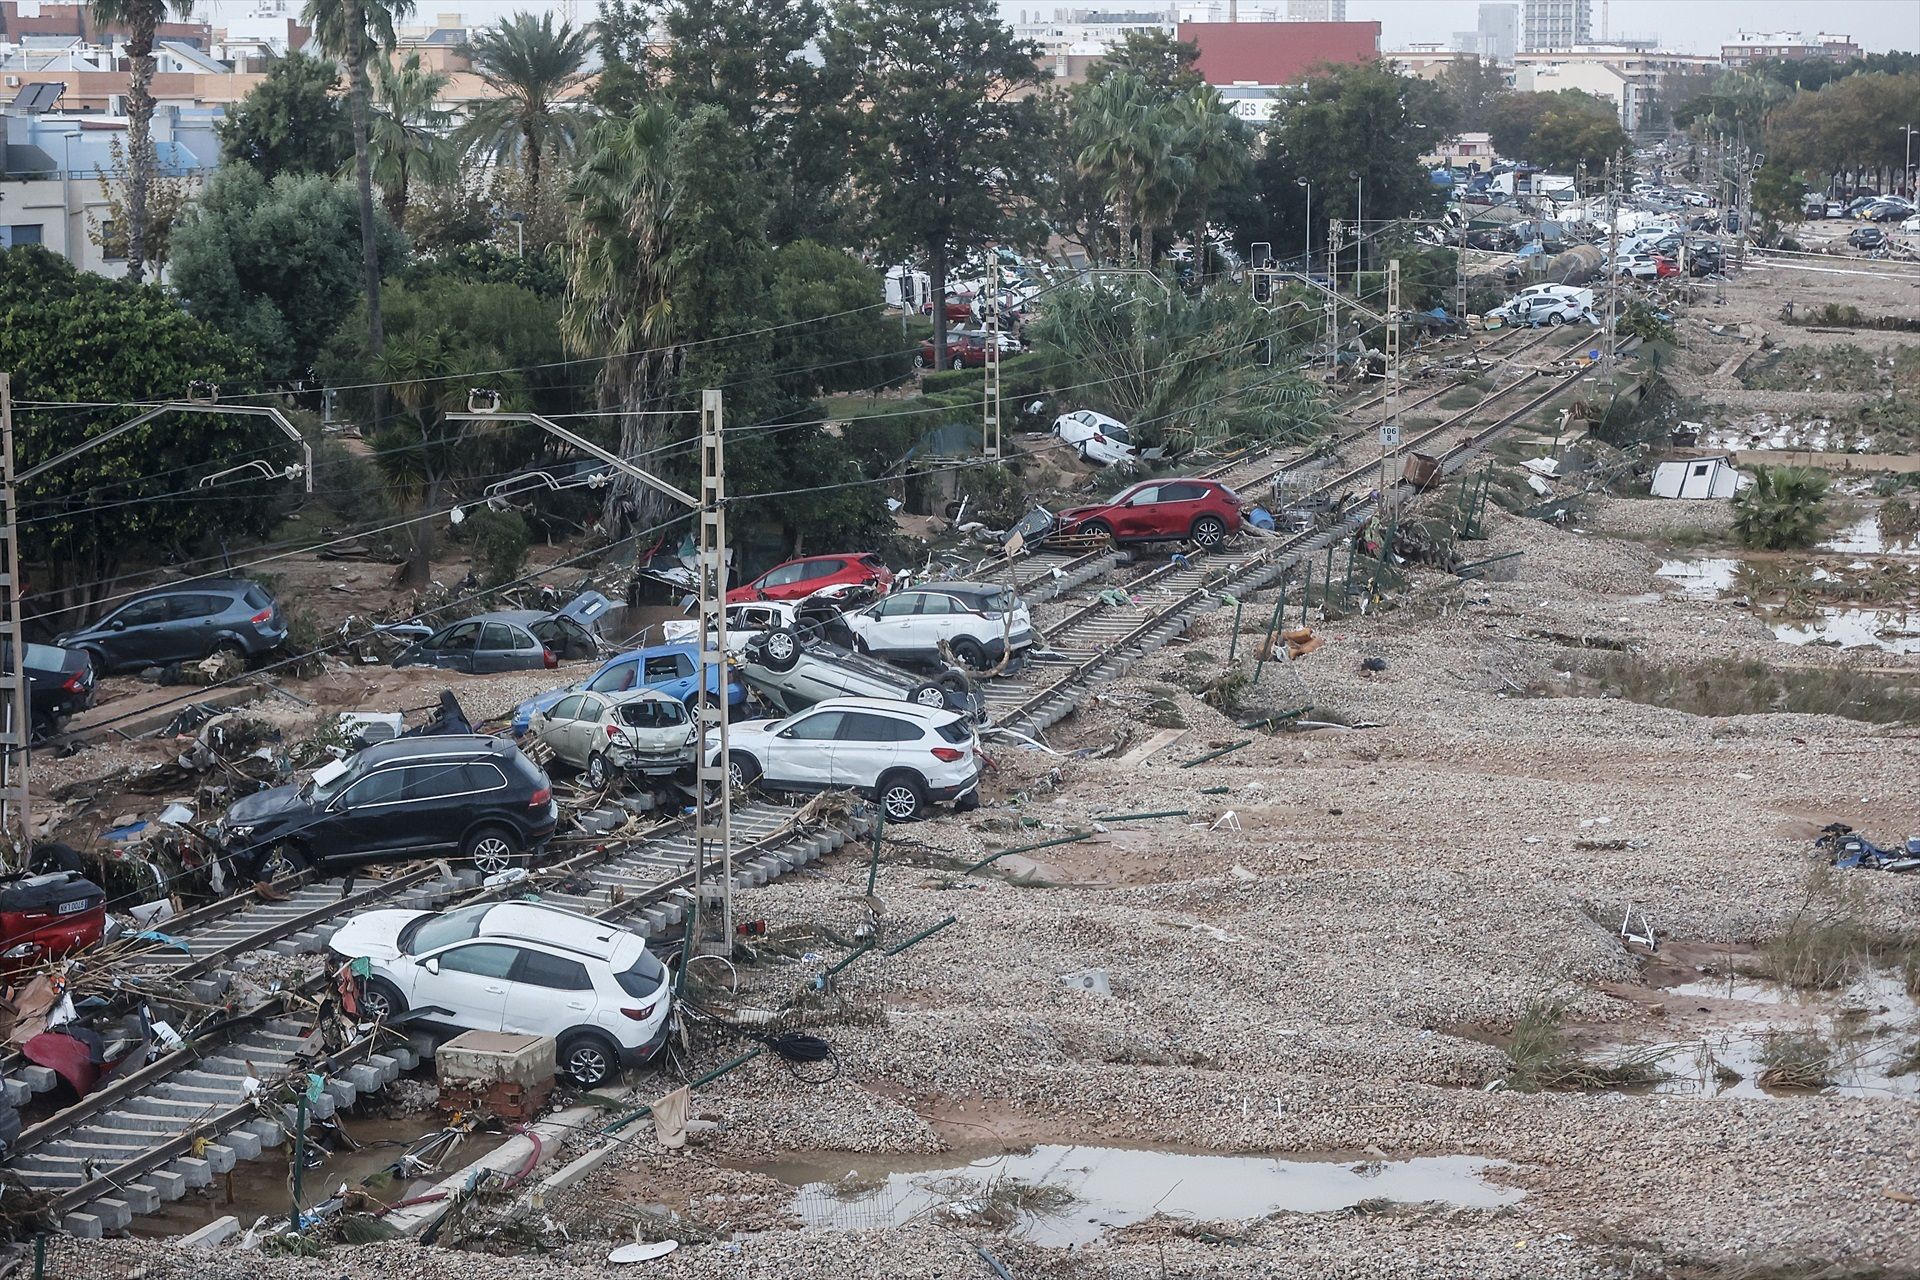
(117, 625)
(431, 965)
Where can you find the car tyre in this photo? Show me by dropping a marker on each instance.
(589, 1059)
(596, 775)
(1209, 532)
(742, 770)
(780, 649)
(901, 796)
(928, 694)
(233, 647)
(971, 653)
(1555, 320)
(919, 362)
(380, 1000)
(1097, 529)
(493, 849)
(280, 861)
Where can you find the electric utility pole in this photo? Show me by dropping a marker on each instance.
(1390, 421)
(1614, 274)
(990, 402)
(1333, 296)
(713, 820)
(16, 810)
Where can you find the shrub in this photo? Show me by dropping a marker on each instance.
(499, 540)
(1785, 508)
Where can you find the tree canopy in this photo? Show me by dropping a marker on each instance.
(72, 335)
(294, 121)
(275, 265)
(1558, 131)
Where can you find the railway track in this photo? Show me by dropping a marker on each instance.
(1096, 642)
(175, 1124)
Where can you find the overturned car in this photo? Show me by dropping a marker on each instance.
(794, 668)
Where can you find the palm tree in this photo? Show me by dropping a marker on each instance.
(1785, 508)
(1130, 146)
(619, 281)
(349, 30)
(409, 133)
(530, 65)
(140, 18)
(414, 449)
(1216, 148)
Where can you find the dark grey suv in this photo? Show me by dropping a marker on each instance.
(183, 623)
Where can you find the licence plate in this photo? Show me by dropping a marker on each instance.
(68, 908)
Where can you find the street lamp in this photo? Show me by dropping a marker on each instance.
(1307, 233)
(1359, 219)
(1906, 170)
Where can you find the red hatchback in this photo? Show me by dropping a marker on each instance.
(963, 349)
(1204, 511)
(799, 578)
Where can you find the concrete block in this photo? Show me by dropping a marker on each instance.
(217, 1232)
(266, 1132)
(245, 1143)
(17, 1092)
(113, 1213)
(197, 1172)
(39, 1078)
(85, 1225)
(487, 1057)
(388, 1067)
(142, 1197)
(342, 1092)
(365, 1077)
(220, 1158)
(169, 1184)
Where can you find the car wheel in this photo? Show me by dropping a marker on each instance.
(233, 647)
(280, 861)
(1555, 320)
(902, 796)
(98, 657)
(493, 850)
(597, 774)
(588, 1059)
(380, 1000)
(928, 694)
(958, 363)
(919, 362)
(1209, 532)
(971, 653)
(780, 648)
(1097, 529)
(742, 770)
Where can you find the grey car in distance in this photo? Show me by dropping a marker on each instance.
(183, 623)
(481, 644)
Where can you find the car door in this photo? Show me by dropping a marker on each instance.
(865, 747)
(554, 727)
(1177, 509)
(471, 987)
(440, 800)
(368, 819)
(671, 673)
(187, 634)
(588, 731)
(137, 632)
(546, 994)
(784, 582)
(889, 625)
(1133, 517)
(454, 648)
(934, 622)
(801, 755)
(499, 648)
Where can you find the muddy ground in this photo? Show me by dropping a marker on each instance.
(1330, 953)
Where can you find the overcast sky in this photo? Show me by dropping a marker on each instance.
(1688, 26)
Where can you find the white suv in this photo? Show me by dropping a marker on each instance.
(981, 623)
(516, 967)
(902, 754)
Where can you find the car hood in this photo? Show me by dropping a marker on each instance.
(747, 731)
(266, 806)
(538, 702)
(1072, 514)
(373, 934)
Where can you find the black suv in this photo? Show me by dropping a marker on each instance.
(183, 623)
(410, 798)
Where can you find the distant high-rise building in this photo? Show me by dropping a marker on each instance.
(1556, 24)
(1316, 10)
(1499, 32)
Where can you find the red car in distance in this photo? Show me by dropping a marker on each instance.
(959, 308)
(797, 579)
(968, 350)
(1201, 511)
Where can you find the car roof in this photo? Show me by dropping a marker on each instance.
(464, 745)
(899, 707)
(960, 588)
(194, 584)
(636, 695)
(521, 616)
(553, 927)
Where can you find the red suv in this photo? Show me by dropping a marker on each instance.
(1205, 511)
(959, 307)
(969, 349)
(798, 578)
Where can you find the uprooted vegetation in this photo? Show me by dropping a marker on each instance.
(1736, 687)
(1000, 1203)
(1795, 1060)
(1830, 941)
(1541, 1057)
(1844, 367)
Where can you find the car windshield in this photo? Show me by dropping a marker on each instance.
(430, 933)
(644, 978)
(329, 780)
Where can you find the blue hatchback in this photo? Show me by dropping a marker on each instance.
(671, 668)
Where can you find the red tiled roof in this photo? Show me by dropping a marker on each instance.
(1274, 53)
